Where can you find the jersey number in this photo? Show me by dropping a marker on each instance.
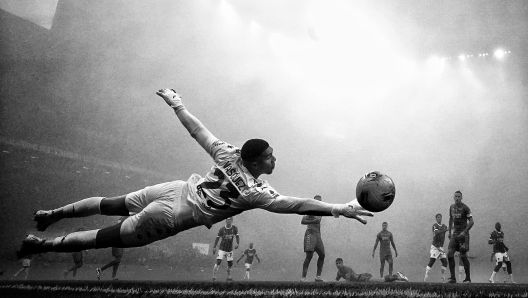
(231, 191)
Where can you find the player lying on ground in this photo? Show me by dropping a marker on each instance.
(163, 210)
(349, 275)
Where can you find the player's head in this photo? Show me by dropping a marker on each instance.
(458, 196)
(438, 218)
(229, 221)
(339, 263)
(251, 245)
(384, 225)
(257, 157)
(317, 197)
(498, 226)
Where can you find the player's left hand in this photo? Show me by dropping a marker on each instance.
(170, 96)
(355, 211)
(236, 246)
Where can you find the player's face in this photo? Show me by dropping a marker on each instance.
(266, 162)
(498, 226)
(458, 198)
(229, 222)
(439, 219)
(384, 226)
(251, 245)
(339, 264)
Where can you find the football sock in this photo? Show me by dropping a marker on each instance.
(452, 267)
(443, 269)
(427, 270)
(467, 268)
(76, 241)
(493, 275)
(320, 263)
(86, 207)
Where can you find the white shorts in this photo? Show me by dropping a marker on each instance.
(437, 253)
(501, 257)
(248, 266)
(227, 254)
(152, 211)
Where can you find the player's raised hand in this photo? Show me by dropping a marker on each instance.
(355, 211)
(170, 96)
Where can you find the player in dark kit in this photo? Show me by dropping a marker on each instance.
(249, 253)
(385, 239)
(117, 253)
(313, 242)
(227, 234)
(501, 252)
(437, 247)
(460, 221)
(232, 186)
(348, 274)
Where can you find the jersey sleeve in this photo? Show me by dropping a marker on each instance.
(246, 252)
(235, 230)
(220, 150)
(467, 211)
(221, 232)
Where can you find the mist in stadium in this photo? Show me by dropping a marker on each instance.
(432, 93)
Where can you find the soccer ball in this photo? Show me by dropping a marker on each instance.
(375, 191)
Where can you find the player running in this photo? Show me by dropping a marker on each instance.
(461, 221)
(117, 253)
(349, 275)
(313, 242)
(227, 234)
(26, 264)
(501, 252)
(249, 253)
(437, 247)
(386, 240)
(163, 210)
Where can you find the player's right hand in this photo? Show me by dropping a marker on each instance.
(170, 96)
(355, 211)
(214, 250)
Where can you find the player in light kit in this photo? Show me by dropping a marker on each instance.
(461, 220)
(227, 233)
(249, 253)
(163, 210)
(348, 274)
(117, 253)
(26, 264)
(437, 247)
(313, 242)
(386, 240)
(501, 252)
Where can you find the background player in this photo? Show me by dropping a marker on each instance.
(349, 275)
(437, 247)
(386, 240)
(77, 261)
(163, 210)
(249, 253)
(26, 264)
(313, 242)
(117, 253)
(501, 252)
(227, 234)
(461, 221)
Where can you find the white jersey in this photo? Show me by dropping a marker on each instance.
(228, 188)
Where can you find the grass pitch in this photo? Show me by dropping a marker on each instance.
(57, 289)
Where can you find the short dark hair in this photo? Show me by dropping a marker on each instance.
(458, 191)
(438, 214)
(339, 260)
(252, 149)
(384, 223)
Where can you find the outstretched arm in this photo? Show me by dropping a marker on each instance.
(241, 257)
(191, 123)
(375, 246)
(285, 204)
